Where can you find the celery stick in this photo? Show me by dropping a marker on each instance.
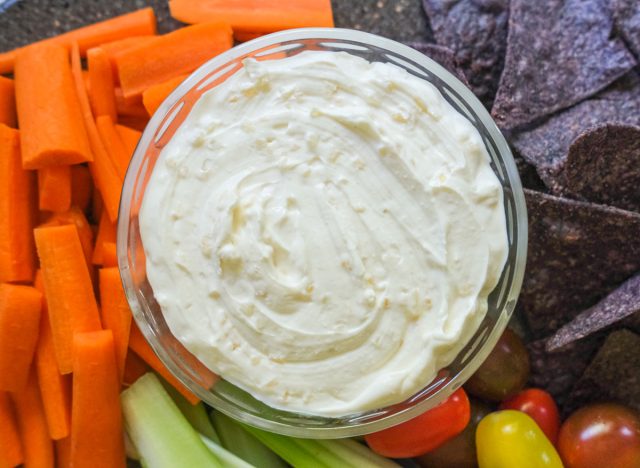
(228, 459)
(161, 434)
(322, 453)
(195, 414)
(237, 440)
(358, 454)
(292, 453)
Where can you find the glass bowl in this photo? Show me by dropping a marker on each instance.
(221, 394)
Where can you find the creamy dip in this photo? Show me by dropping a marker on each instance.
(323, 232)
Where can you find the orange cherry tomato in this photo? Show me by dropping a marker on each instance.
(606, 435)
(425, 432)
(541, 407)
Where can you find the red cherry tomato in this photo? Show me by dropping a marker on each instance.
(541, 407)
(425, 432)
(606, 435)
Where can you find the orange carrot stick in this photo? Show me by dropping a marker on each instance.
(102, 89)
(131, 107)
(116, 315)
(51, 131)
(11, 453)
(102, 170)
(63, 452)
(139, 345)
(168, 56)
(20, 310)
(106, 233)
(36, 443)
(134, 368)
(81, 187)
(7, 102)
(256, 16)
(96, 417)
(130, 138)
(115, 48)
(154, 96)
(113, 144)
(136, 123)
(109, 255)
(72, 305)
(54, 188)
(55, 388)
(17, 211)
(244, 36)
(137, 23)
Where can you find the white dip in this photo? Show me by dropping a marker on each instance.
(323, 232)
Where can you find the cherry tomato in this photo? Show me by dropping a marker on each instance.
(459, 452)
(504, 373)
(425, 432)
(541, 407)
(606, 435)
(511, 439)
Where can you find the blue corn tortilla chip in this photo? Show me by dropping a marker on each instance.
(578, 252)
(441, 55)
(476, 31)
(626, 14)
(623, 303)
(546, 145)
(558, 371)
(603, 166)
(612, 375)
(559, 52)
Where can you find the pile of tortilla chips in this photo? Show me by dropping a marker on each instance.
(561, 78)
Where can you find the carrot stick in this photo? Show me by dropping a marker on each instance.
(55, 388)
(72, 305)
(102, 89)
(97, 207)
(76, 218)
(96, 418)
(131, 107)
(134, 368)
(139, 345)
(113, 144)
(137, 23)
(154, 96)
(106, 233)
(256, 16)
(11, 453)
(63, 452)
(130, 138)
(20, 310)
(17, 211)
(109, 255)
(51, 131)
(81, 187)
(54, 188)
(115, 48)
(36, 443)
(7, 102)
(102, 170)
(170, 55)
(116, 315)
(245, 36)
(136, 123)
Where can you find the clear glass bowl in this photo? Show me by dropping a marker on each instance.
(226, 397)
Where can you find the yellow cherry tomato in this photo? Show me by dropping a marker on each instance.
(508, 439)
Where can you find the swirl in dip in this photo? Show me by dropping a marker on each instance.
(323, 232)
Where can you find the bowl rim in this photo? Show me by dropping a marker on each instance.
(503, 153)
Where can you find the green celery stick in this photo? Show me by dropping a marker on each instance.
(161, 434)
(228, 459)
(237, 440)
(195, 414)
